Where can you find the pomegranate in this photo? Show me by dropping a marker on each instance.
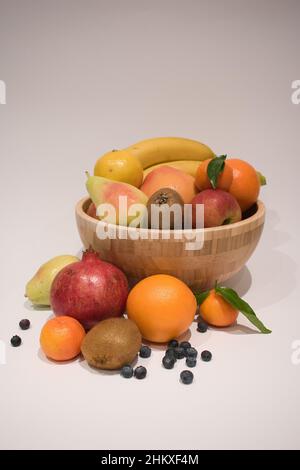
(89, 290)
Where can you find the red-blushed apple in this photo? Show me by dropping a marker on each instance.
(220, 208)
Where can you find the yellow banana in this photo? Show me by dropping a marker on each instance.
(169, 149)
(187, 166)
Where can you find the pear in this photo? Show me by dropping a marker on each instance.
(38, 288)
(104, 191)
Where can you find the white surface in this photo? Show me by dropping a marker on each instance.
(84, 77)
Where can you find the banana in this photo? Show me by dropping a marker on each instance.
(187, 166)
(169, 149)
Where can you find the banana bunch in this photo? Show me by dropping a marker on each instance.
(168, 150)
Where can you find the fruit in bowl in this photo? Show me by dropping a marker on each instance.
(109, 196)
(236, 176)
(220, 208)
(120, 165)
(165, 209)
(168, 177)
(224, 250)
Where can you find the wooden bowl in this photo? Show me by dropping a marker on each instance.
(225, 250)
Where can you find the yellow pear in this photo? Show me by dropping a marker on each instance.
(38, 288)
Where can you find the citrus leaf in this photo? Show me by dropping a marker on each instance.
(234, 299)
(201, 296)
(214, 168)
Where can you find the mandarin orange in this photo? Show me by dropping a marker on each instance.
(202, 181)
(245, 185)
(61, 338)
(216, 311)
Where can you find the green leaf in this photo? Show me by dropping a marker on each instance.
(201, 296)
(234, 299)
(262, 178)
(214, 168)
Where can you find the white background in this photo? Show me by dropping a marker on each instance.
(84, 77)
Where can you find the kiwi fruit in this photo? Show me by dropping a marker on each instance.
(164, 196)
(112, 343)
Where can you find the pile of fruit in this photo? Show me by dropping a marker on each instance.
(171, 171)
(95, 312)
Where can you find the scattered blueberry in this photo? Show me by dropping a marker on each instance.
(127, 372)
(173, 343)
(185, 345)
(171, 353)
(206, 356)
(202, 326)
(24, 324)
(186, 377)
(179, 352)
(145, 351)
(140, 372)
(191, 361)
(15, 341)
(191, 352)
(168, 362)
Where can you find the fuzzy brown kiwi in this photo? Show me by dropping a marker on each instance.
(161, 197)
(112, 343)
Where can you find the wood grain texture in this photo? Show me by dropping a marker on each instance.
(225, 250)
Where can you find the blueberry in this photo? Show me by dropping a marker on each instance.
(191, 361)
(24, 324)
(206, 356)
(127, 372)
(191, 352)
(179, 352)
(168, 362)
(145, 351)
(16, 341)
(202, 326)
(186, 377)
(173, 343)
(171, 353)
(185, 345)
(140, 372)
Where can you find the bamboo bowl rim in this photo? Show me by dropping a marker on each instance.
(259, 215)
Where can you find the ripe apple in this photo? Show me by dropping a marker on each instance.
(220, 208)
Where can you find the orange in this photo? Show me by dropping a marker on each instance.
(245, 184)
(61, 338)
(216, 311)
(239, 178)
(202, 181)
(162, 306)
